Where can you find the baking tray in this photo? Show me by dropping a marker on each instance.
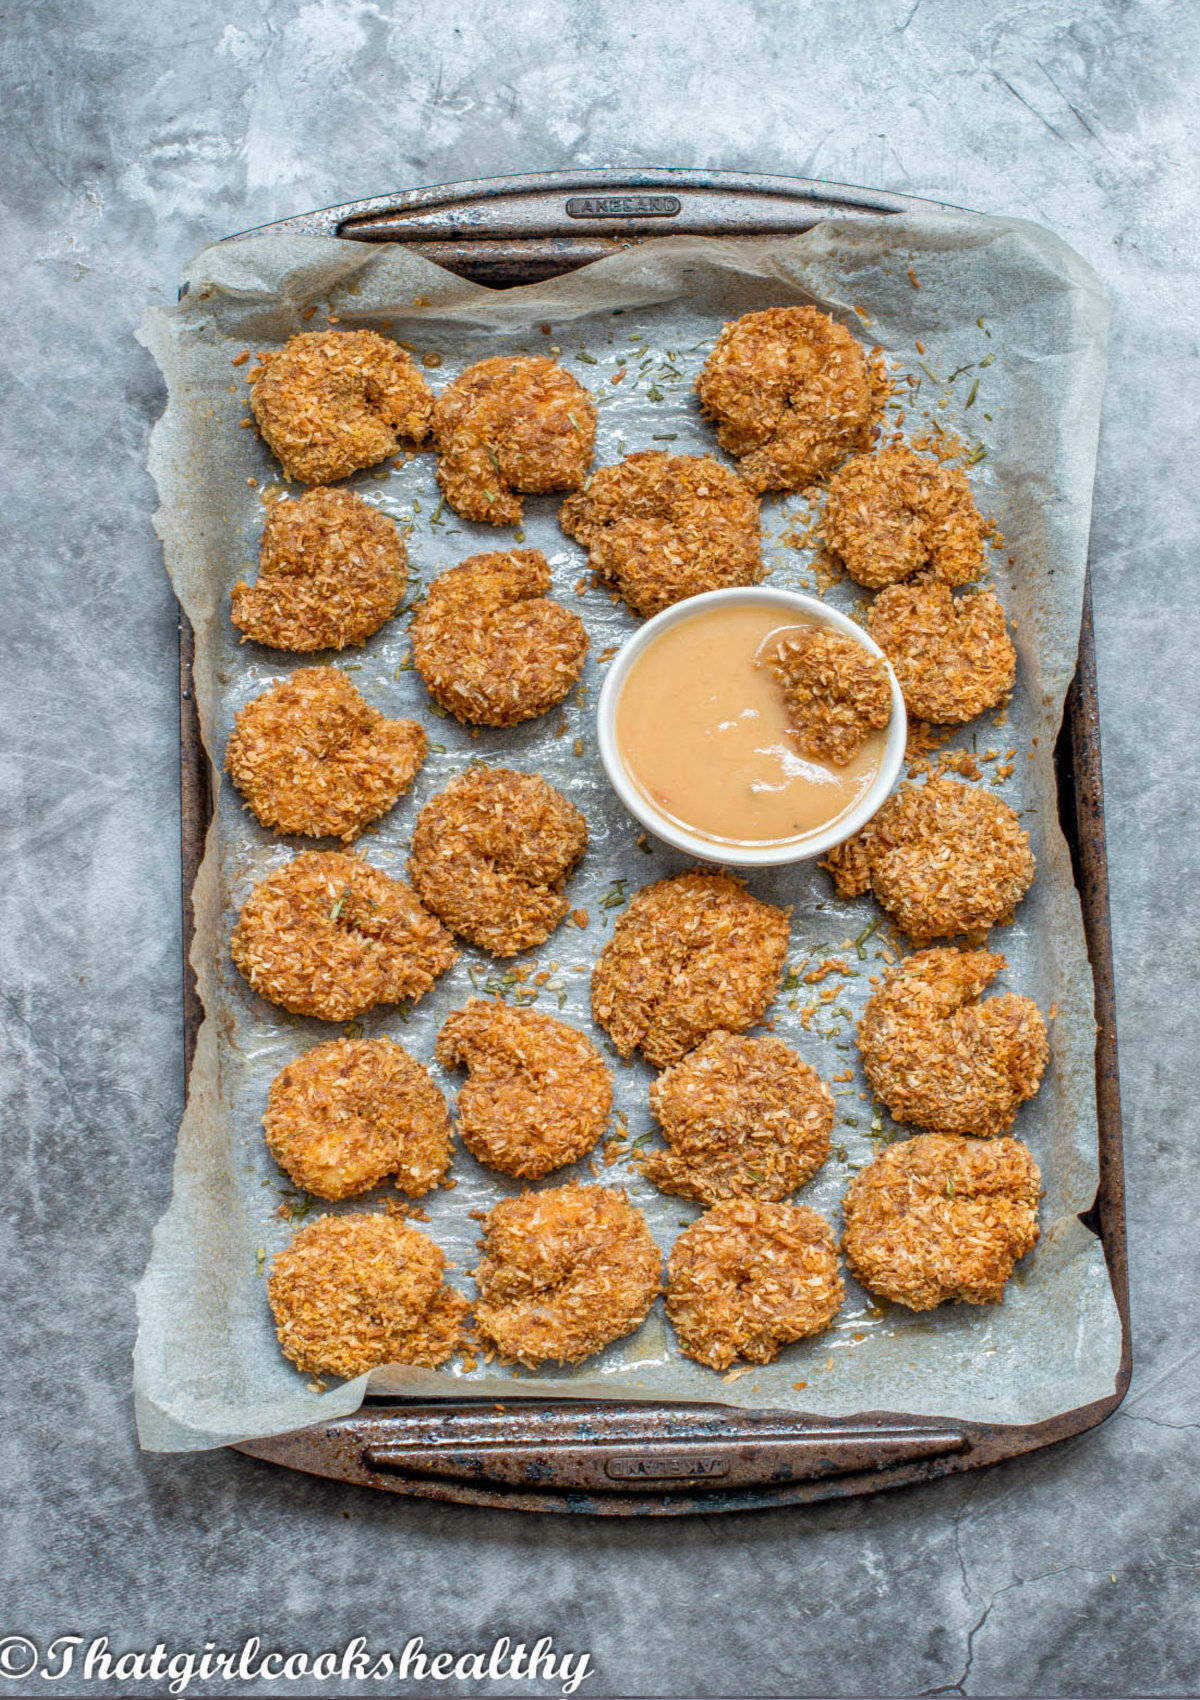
(652, 1459)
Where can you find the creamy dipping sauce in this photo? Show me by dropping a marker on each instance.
(702, 731)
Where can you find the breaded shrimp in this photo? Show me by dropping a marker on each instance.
(664, 527)
(941, 858)
(508, 426)
(793, 394)
(311, 756)
(491, 646)
(330, 402)
(690, 955)
(491, 855)
(539, 1092)
(893, 514)
(940, 1217)
(565, 1271)
(352, 1292)
(749, 1277)
(837, 692)
(942, 1059)
(348, 1113)
(744, 1118)
(331, 570)
(953, 658)
(329, 935)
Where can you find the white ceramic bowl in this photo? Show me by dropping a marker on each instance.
(791, 605)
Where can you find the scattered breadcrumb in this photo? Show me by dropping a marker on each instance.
(690, 955)
(539, 1092)
(565, 1271)
(491, 855)
(743, 1118)
(940, 1058)
(328, 403)
(330, 936)
(893, 514)
(664, 527)
(749, 1277)
(489, 643)
(331, 570)
(348, 1113)
(511, 425)
(793, 394)
(942, 1218)
(311, 756)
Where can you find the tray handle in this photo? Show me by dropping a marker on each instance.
(612, 1450)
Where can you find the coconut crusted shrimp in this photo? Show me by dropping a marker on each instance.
(491, 855)
(953, 657)
(793, 393)
(742, 1118)
(539, 1091)
(564, 1272)
(330, 936)
(489, 643)
(941, 1218)
(347, 1114)
(689, 955)
(353, 1292)
(940, 1057)
(837, 692)
(941, 858)
(311, 756)
(330, 402)
(664, 527)
(331, 570)
(749, 1277)
(511, 426)
(891, 515)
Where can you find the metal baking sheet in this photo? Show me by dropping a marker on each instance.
(834, 266)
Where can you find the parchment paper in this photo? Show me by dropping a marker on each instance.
(1008, 316)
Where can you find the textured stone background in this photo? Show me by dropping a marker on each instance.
(133, 134)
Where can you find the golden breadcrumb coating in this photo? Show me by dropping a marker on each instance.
(491, 854)
(689, 955)
(940, 1217)
(664, 527)
(353, 1292)
(330, 402)
(749, 1277)
(490, 645)
(953, 658)
(744, 1118)
(331, 570)
(939, 1057)
(837, 692)
(565, 1271)
(793, 394)
(512, 425)
(892, 514)
(311, 756)
(539, 1092)
(329, 935)
(350, 1112)
(941, 858)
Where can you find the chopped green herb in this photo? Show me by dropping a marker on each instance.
(260, 1257)
(436, 708)
(987, 360)
(861, 941)
(489, 497)
(519, 535)
(615, 895)
(439, 749)
(930, 374)
(654, 393)
(491, 454)
(970, 401)
(664, 437)
(574, 421)
(339, 905)
(588, 359)
(977, 454)
(949, 1186)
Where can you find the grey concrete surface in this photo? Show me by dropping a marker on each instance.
(132, 134)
